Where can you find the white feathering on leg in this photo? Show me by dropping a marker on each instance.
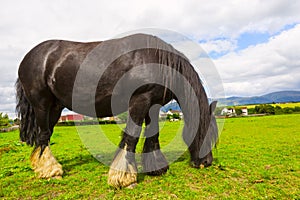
(46, 166)
(122, 173)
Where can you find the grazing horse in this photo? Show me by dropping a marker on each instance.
(56, 74)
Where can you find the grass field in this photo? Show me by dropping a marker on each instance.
(256, 158)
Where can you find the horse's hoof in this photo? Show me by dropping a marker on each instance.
(48, 172)
(154, 163)
(158, 172)
(57, 177)
(123, 171)
(132, 186)
(46, 165)
(121, 179)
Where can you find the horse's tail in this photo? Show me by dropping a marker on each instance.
(28, 127)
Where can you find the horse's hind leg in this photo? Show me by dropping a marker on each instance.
(42, 159)
(154, 162)
(123, 170)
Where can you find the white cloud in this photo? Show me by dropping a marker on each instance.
(219, 46)
(24, 24)
(7, 101)
(81, 20)
(267, 67)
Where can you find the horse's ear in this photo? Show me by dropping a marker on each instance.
(213, 106)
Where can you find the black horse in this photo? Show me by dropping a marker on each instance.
(140, 73)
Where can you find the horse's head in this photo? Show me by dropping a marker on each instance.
(203, 155)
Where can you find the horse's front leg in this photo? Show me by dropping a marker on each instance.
(123, 170)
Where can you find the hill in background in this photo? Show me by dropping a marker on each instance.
(274, 97)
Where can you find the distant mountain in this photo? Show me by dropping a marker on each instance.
(277, 97)
(173, 105)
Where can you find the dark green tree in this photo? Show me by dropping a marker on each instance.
(169, 116)
(264, 108)
(287, 110)
(278, 110)
(4, 120)
(297, 109)
(123, 117)
(176, 116)
(238, 110)
(251, 111)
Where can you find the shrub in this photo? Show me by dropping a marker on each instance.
(297, 109)
(4, 120)
(288, 110)
(238, 111)
(264, 108)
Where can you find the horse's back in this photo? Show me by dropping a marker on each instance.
(51, 58)
(38, 57)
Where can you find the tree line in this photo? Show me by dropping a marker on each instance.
(273, 110)
(263, 109)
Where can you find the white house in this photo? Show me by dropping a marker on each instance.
(228, 111)
(231, 111)
(171, 112)
(244, 111)
(162, 114)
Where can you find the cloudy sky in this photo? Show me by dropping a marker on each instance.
(255, 45)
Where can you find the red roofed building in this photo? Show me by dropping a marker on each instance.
(71, 117)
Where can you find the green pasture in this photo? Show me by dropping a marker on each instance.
(256, 158)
